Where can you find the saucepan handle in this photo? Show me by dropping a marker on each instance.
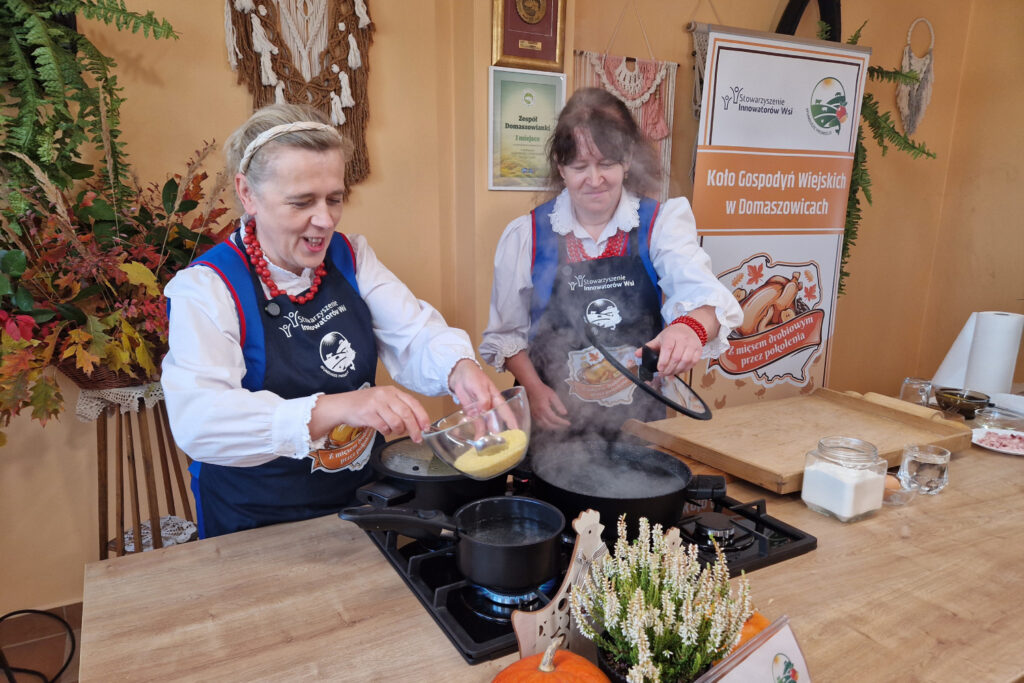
(705, 486)
(400, 519)
(380, 494)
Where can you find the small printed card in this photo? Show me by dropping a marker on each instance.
(772, 655)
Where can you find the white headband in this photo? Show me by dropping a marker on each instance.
(271, 133)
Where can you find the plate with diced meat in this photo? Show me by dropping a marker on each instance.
(1001, 440)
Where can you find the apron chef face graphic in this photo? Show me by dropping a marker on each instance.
(337, 353)
(603, 313)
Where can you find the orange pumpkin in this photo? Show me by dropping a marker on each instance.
(550, 666)
(756, 623)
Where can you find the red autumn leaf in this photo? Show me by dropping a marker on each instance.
(88, 198)
(811, 292)
(25, 325)
(755, 273)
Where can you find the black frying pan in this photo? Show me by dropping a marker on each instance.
(616, 479)
(504, 543)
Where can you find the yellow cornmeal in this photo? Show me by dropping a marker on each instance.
(493, 460)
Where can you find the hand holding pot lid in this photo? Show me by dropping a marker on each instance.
(669, 389)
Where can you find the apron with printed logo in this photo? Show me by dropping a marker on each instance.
(616, 295)
(324, 345)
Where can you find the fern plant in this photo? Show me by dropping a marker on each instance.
(58, 92)
(882, 128)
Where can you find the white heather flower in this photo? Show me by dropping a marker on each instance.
(650, 592)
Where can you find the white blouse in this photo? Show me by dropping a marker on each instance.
(683, 269)
(216, 420)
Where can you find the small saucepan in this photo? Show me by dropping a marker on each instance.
(505, 543)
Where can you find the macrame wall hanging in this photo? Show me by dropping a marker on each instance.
(700, 58)
(699, 54)
(913, 98)
(646, 86)
(306, 52)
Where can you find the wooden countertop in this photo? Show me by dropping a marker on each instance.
(931, 592)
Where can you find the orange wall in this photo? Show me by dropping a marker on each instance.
(941, 240)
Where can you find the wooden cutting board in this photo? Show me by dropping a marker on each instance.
(766, 442)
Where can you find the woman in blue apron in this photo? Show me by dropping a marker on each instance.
(601, 253)
(275, 335)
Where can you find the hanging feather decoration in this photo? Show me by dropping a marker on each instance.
(913, 98)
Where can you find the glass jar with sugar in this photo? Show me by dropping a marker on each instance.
(844, 478)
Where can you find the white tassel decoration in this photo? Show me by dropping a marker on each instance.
(355, 60)
(346, 91)
(364, 17)
(337, 112)
(230, 38)
(264, 48)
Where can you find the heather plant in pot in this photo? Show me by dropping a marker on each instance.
(656, 612)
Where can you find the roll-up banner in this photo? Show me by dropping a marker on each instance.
(775, 146)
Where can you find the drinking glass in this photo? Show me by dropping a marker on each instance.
(916, 390)
(924, 467)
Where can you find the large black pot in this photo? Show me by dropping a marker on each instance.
(413, 476)
(616, 479)
(506, 543)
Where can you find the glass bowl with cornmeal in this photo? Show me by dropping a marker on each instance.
(483, 444)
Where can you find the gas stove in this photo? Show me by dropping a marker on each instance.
(477, 620)
(747, 535)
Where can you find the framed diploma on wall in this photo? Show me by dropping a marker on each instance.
(528, 34)
(524, 107)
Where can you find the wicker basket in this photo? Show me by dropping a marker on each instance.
(101, 377)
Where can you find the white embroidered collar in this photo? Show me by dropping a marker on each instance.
(625, 218)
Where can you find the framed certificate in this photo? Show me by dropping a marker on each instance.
(524, 107)
(528, 34)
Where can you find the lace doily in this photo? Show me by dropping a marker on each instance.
(173, 531)
(92, 402)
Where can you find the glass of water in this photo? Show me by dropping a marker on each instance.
(916, 390)
(924, 467)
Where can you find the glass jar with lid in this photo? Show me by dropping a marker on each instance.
(844, 478)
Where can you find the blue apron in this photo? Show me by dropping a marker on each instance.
(324, 345)
(620, 297)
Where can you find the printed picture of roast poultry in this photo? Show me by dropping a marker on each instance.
(771, 304)
(598, 373)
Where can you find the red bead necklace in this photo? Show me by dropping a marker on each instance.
(259, 263)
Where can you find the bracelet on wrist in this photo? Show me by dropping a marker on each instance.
(693, 324)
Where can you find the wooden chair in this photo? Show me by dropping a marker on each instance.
(146, 473)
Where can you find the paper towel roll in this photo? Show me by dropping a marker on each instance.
(984, 355)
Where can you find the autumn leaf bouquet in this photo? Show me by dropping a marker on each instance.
(81, 279)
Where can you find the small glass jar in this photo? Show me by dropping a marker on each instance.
(844, 478)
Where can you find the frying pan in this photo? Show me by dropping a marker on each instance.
(648, 366)
(616, 479)
(505, 543)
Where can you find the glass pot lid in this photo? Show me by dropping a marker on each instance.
(406, 458)
(670, 390)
